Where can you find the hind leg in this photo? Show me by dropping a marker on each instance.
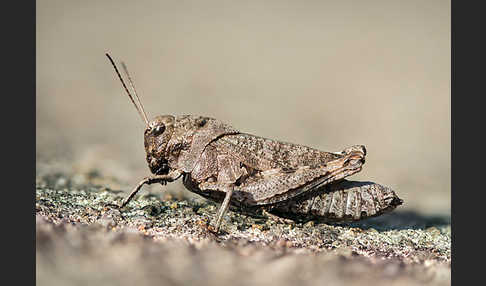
(276, 218)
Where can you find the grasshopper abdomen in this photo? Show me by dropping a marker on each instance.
(341, 201)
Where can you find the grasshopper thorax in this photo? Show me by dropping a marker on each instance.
(156, 137)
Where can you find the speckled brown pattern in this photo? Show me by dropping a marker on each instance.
(237, 169)
(342, 201)
(218, 162)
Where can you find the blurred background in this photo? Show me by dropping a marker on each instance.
(326, 74)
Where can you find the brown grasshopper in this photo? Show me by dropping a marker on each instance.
(249, 172)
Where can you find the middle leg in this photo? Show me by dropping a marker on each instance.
(224, 207)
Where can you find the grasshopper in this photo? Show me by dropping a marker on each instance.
(244, 171)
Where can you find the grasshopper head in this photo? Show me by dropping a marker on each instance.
(156, 137)
(157, 132)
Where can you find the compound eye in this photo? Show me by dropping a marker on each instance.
(159, 129)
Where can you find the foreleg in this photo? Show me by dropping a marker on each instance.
(151, 180)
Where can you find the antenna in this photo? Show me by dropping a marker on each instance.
(142, 115)
(135, 91)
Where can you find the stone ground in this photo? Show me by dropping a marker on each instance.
(162, 238)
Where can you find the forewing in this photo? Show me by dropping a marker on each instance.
(265, 154)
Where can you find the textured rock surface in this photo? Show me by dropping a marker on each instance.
(82, 240)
